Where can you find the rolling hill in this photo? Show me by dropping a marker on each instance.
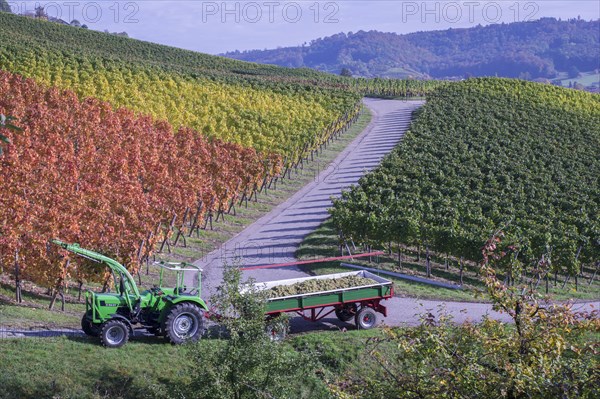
(536, 49)
(258, 106)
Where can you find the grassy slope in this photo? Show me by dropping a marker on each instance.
(79, 368)
(68, 367)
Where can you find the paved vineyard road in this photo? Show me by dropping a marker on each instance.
(275, 237)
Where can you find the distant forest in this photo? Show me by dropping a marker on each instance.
(545, 48)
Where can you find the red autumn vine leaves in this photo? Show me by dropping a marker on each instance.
(86, 173)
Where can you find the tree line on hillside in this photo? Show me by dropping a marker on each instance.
(535, 49)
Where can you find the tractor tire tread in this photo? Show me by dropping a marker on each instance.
(107, 326)
(174, 312)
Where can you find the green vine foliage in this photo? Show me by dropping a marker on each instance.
(485, 153)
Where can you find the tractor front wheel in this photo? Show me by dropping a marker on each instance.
(183, 323)
(89, 328)
(114, 334)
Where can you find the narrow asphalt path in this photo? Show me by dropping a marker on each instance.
(275, 237)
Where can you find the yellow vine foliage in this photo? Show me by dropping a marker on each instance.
(266, 119)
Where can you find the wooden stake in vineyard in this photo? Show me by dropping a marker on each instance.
(168, 233)
(209, 215)
(18, 296)
(194, 223)
(428, 262)
(180, 230)
(139, 256)
(60, 290)
(221, 209)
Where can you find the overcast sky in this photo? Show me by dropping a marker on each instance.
(217, 26)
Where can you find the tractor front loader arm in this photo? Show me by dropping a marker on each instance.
(95, 256)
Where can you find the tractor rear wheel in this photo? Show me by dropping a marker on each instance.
(114, 334)
(366, 318)
(89, 328)
(183, 323)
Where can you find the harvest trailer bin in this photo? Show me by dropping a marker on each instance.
(359, 303)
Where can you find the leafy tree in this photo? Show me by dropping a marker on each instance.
(545, 353)
(346, 72)
(4, 6)
(248, 364)
(40, 13)
(573, 72)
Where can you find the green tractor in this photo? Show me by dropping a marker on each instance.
(175, 312)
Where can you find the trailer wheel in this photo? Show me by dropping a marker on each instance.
(114, 334)
(366, 319)
(183, 323)
(89, 328)
(346, 312)
(277, 328)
